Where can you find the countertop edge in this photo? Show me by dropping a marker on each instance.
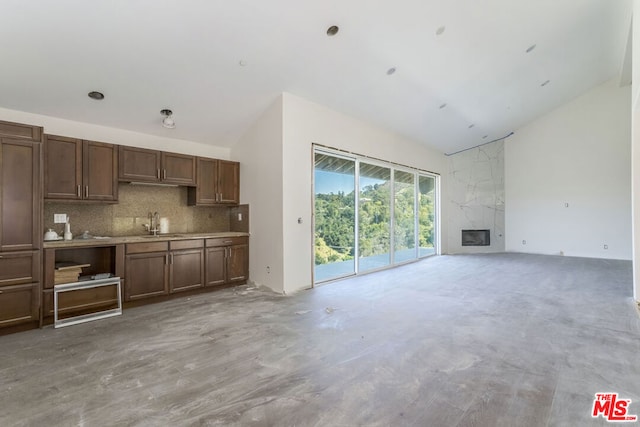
(138, 239)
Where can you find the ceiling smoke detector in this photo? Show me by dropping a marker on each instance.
(168, 120)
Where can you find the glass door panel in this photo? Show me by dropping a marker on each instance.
(334, 189)
(374, 217)
(404, 226)
(426, 215)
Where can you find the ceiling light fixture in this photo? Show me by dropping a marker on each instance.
(530, 48)
(391, 71)
(98, 96)
(332, 30)
(440, 30)
(168, 120)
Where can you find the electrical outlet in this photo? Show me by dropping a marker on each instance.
(239, 216)
(59, 218)
(606, 246)
(566, 205)
(524, 242)
(268, 269)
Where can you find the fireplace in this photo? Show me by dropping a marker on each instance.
(476, 238)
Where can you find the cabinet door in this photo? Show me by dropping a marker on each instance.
(178, 169)
(138, 164)
(17, 268)
(238, 263)
(206, 191)
(100, 171)
(216, 266)
(19, 304)
(146, 275)
(186, 270)
(19, 195)
(62, 168)
(228, 182)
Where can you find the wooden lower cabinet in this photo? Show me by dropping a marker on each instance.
(227, 261)
(216, 266)
(186, 270)
(19, 304)
(146, 275)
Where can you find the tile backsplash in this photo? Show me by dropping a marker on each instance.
(129, 215)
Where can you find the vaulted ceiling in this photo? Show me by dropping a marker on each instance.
(466, 71)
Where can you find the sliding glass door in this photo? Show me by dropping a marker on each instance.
(404, 216)
(370, 215)
(426, 215)
(374, 216)
(335, 227)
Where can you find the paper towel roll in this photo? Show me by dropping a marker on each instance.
(164, 225)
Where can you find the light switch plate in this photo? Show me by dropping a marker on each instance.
(59, 218)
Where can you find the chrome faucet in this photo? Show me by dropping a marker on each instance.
(154, 223)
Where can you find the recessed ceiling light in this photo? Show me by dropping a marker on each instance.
(545, 83)
(440, 30)
(96, 95)
(471, 125)
(443, 105)
(530, 48)
(391, 71)
(332, 30)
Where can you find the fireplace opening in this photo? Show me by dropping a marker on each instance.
(476, 238)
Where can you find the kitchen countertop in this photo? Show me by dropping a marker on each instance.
(138, 239)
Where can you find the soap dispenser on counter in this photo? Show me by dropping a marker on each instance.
(67, 231)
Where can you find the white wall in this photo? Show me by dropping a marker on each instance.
(635, 151)
(306, 123)
(69, 128)
(476, 195)
(577, 154)
(260, 155)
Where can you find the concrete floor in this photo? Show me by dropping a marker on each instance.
(469, 340)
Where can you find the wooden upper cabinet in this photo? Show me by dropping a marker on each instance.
(20, 205)
(229, 181)
(20, 131)
(178, 169)
(143, 165)
(139, 164)
(99, 171)
(80, 170)
(218, 182)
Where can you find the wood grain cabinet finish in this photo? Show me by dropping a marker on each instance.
(80, 170)
(143, 165)
(19, 304)
(20, 223)
(147, 275)
(186, 270)
(159, 268)
(20, 205)
(19, 287)
(218, 182)
(227, 261)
